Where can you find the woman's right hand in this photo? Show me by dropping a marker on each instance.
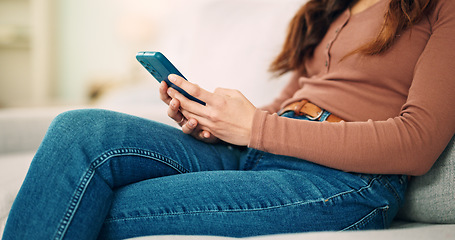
(189, 126)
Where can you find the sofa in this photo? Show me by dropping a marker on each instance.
(429, 211)
(226, 43)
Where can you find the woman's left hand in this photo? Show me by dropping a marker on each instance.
(228, 115)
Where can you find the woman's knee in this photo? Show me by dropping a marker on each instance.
(69, 135)
(79, 125)
(99, 127)
(77, 120)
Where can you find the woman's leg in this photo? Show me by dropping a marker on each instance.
(273, 194)
(86, 156)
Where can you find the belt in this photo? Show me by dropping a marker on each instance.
(308, 109)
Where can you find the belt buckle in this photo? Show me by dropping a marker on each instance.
(298, 109)
(315, 118)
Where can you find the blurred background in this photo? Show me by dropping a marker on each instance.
(59, 55)
(66, 52)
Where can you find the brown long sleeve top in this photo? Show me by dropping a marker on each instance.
(399, 106)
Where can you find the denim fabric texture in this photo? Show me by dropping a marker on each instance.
(105, 175)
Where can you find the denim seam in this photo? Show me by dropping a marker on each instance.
(258, 159)
(82, 187)
(252, 164)
(392, 190)
(351, 191)
(385, 215)
(142, 153)
(299, 203)
(368, 217)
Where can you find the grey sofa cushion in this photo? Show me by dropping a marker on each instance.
(431, 198)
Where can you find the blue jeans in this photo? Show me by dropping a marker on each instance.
(104, 175)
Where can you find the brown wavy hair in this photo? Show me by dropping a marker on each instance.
(313, 19)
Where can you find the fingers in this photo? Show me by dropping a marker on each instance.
(174, 105)
(205, 134)
(174, 113)
(189, 108)
(192, 89)
(164, 96)
(189, 126)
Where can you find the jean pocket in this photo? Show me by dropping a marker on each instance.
(376, 219)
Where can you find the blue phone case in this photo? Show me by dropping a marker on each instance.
(160, 68)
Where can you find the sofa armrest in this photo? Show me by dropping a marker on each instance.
(22, 130)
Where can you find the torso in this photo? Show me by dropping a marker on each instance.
(360, 81)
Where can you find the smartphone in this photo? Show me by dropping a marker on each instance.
(160, 68)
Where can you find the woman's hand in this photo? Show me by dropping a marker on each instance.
(189, 126)
(228, 115)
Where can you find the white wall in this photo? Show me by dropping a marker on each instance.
(26, 52)
(15, 53)
(226, 43)
(93, 42)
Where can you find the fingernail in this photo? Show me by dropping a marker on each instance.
(191, 123)
(171, 78)
(206, 135)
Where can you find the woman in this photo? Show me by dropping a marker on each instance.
(370, 103)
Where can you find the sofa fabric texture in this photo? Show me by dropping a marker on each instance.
(431, 198)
